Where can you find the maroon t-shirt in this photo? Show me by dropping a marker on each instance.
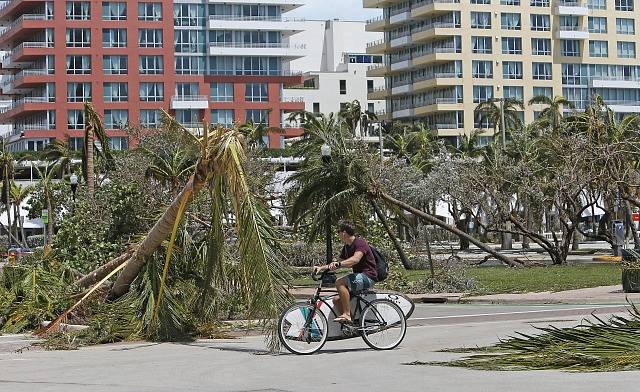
(367, 264)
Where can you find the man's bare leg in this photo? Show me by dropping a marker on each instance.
(343, 293)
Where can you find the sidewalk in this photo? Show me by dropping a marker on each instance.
(593, 295)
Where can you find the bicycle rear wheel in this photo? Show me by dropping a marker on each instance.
(383, 325)
(303, 329)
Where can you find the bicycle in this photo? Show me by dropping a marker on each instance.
(379, 318)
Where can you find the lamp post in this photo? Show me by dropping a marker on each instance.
(325, 150)
(74, 187)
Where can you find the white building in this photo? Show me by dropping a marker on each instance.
(335, 67)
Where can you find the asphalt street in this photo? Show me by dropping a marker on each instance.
(242, 364)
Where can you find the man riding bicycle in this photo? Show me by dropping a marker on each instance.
(357, 255)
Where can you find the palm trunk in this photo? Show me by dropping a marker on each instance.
(89, 158)
(435, 221)
(7, 203)
(396, 243)
(50, 221)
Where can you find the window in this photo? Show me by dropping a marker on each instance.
(343, 87)
(189, 65)
(188, 15)
(78, 10)
(78, 65)
(513, 92)
(187, 89)
(540, 22)
(370, 107)
(75, 119)
(626, 50)
(512, 69)
(189, 118)
(222, 92)
(543, 91)
(78, 92)
(150, 118)
(369, 85)
(191, 41)
(482, 69)
(115, 65)
(223, 117)
(509, 2)
(511, 45)
(569, 47)
(624, 5)
(541, 71)
(539, 3)
(316, 107)
(150, 11)
(540, 46)
(256, 92)
(114, 38)
(152, 92)
(482, 93)
(625, 26)
(481, 45)
(150, 38)
(569, 23)
(258, 116)
(114, 10)
(78, 38)
(510, 21)
(151, 65)
(116, 118)
(480, 20)
(598, 49)
(597, 4)
(119, 143)
(115, 92)
(480, 1)
(597, 24)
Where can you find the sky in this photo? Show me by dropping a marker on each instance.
(334, 9)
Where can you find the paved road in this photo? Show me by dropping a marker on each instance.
(232, 365)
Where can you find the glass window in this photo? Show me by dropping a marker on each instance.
(188, 15)
(119, 143)
(541, 46)
(510, 21)
(541, 71)
(480, 20)
(150, 11)
(112, 10)
(222, 92)
(152, 92)
(189, 41)
(624, 5)
(115, 92)
(597, 24)
(482, 69)
(75, 119)
(189, 118)
(514, 92)
(114, 38)
(569, 23)
(78, 10)
(598, 49)
(597, 4)
(480, 1)
(481, 45)
(150, 118)
(512, 69)
(78, 38)
(191, 89)
(78, 92)
(510, 2)
(189, 65)
(151, 65)
(626, 49)
(78, 65)
(569, 47)
(115, 65)
(223, 117)
(625, 26)
(116, 118)
(543, 91)
(482, 93)
(540, 22)
(511, 45)
(257, 116)
(150, 38)
(539, 3)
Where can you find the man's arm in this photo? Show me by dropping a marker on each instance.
(348, 263)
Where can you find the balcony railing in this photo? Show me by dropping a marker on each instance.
(374, 43)
(421, 3)
(23, 18)
(573, 28)
(189, 98)
(255, 18)
(377, 66)
(572, 4)
(437, 75)
(377, 19)
(438, 25)
(399, 11)
(293, 99)
(22, 101)
(283, 45)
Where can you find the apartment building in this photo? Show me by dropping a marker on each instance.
(221, 61)
(443, 57)
(335, 67)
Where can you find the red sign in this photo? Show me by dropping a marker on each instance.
(635, 217)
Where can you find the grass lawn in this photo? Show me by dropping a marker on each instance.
(496, 280)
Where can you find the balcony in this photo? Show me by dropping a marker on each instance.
(25, 24)
(378, 93)
(440, 29)
(402, 64)
(572, 32)
(440, 79)
(280, 49)
(288, 26)
(22, 55)
(189, 102)
(376, 3)
(436, 55)
(285, 5)
(572, 8)
(446, 129)
(438, 105)
(378, 47)
(402, 113)
(10, 9)
(402, 89)
(427, 7)
(621, 106)
(377, 24)
(25, 80)
(378, 70)
(399, 16)
(615, 82)
(27, 104)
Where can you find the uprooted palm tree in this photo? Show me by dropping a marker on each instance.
(169, 169)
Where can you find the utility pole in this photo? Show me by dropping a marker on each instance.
(507, 243)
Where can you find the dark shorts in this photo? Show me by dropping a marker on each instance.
(358, 283)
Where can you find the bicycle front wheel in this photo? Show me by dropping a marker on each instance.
(383, 325)
(303, 329)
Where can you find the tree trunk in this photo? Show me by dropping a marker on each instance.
(429, 258)
(507, 241)
(396, 243)
(7, 202)
(90, 171)
(50, 221)
(630, 225)
(527, 223)
(435, 221)
(575, 243)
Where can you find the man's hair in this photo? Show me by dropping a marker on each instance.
(347, 227)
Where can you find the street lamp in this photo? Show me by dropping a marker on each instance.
(74, 187)
(325, 151)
